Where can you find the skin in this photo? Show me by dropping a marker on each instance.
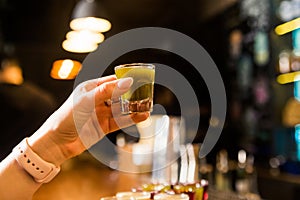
(64, 134)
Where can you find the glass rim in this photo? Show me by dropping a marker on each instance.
(146, 65)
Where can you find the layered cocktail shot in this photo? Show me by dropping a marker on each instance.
(140, 96)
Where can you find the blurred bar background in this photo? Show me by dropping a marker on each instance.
(254, 43)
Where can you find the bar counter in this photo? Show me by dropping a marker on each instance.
(85, 178)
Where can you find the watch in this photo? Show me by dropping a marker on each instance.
(41, 170)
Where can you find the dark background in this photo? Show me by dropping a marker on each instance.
(33, 30)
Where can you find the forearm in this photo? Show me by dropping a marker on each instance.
(58, 138)
(15, 182)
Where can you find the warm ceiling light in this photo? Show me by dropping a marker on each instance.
(85, 36)
(76, 46)
(288, 27)
(89, 15)
(90, 23)
(65, 69)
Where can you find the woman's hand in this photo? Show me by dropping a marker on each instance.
(83, 120)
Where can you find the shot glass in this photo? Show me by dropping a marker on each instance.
(140, 96)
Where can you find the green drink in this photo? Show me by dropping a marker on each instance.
(140, 96)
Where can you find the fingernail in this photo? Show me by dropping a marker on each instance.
(125, 83)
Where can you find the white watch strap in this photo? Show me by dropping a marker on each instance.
(41, 170)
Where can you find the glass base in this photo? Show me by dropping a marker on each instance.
(144, 105)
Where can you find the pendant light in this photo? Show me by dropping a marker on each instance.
(88, 22)
(82, 41)
(90, 15)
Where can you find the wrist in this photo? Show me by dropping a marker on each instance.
(54, 143)
(46, 148)
(41, 170)
(53, 146)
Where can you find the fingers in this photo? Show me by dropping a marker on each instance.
(95, 92)
(106, 79)
(99, 90)
(139, 117)
(93, 83)
(112, 89)
(123, 121)
(114, 110)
